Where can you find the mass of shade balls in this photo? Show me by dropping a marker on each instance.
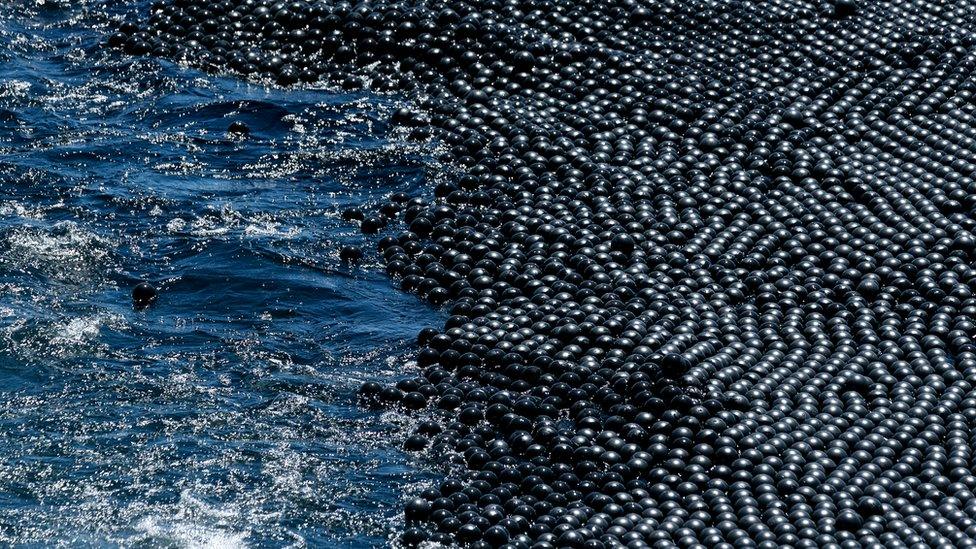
(709, 263)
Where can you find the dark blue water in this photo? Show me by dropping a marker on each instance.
(225, 415)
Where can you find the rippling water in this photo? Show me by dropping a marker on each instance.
(225, 415)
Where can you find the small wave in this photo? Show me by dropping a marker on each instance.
(39, 340)
(65, 251)
(195, 524)
(16, 89)
(12, 208)
(80, 331)
(270, 228)
(216, 223)
(224, 416)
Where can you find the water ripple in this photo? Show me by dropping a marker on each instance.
(224, 416)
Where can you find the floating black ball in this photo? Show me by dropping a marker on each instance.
(350, 253)
(849, 521)
(417, 509)
(372, 224)
(353, 214)
(674, 365)
(415, 443)
(413, 537)
(144, 295)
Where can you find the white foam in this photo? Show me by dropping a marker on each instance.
(226, 221)
(270, 228)
(64, 250)
(16, 209)
(14, 89)
(190, 535)
(194, 524)
(77, 331)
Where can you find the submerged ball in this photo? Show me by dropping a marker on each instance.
(238, 128)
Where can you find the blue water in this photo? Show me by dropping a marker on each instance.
(225, 415)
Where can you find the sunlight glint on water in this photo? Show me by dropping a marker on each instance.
(225, 415)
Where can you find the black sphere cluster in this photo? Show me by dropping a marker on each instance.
(710, 264)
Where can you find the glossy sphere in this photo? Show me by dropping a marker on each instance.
(143, 295)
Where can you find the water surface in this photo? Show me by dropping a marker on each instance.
(225, 415)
